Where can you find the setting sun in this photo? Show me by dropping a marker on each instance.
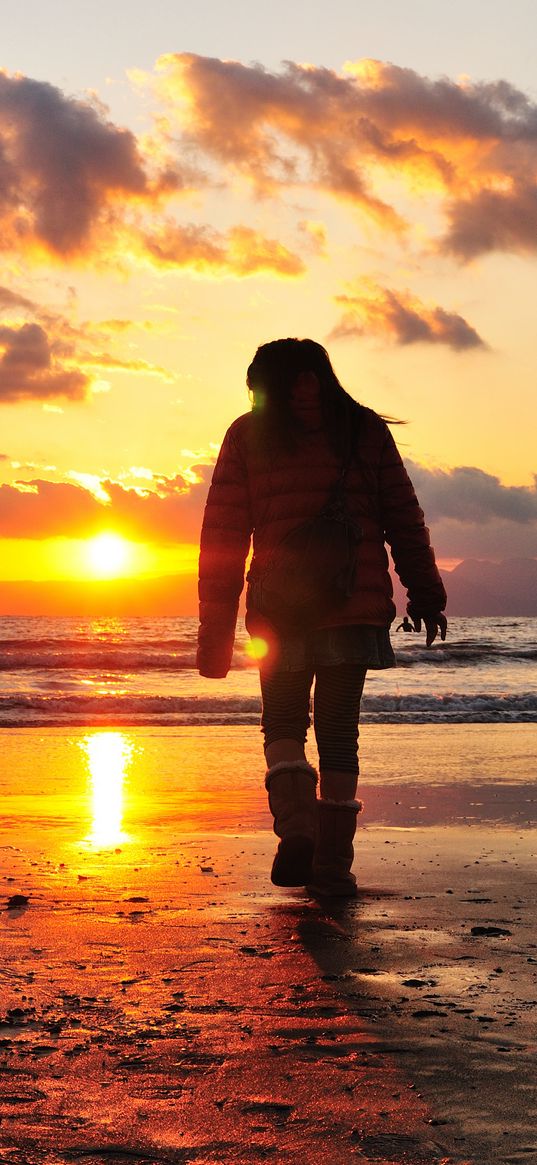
(108, 554)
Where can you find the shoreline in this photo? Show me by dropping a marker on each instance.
(211, 778)
(413, 720)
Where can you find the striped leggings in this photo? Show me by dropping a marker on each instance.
(336, 709)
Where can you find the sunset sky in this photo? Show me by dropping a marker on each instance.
(179, 185)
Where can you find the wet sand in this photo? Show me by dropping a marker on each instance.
(160, 1001)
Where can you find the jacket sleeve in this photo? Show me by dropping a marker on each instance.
(408, 536)
(224, 545)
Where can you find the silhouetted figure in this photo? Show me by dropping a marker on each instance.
(308, 458)
(406, 625)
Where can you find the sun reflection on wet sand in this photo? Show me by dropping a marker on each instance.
(109, 755)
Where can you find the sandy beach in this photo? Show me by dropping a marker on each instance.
(162, 1002)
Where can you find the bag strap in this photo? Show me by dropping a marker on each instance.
(339, 487)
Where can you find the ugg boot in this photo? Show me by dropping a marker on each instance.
(334, 853)
(291, 789)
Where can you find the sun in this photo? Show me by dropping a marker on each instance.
(108, 554)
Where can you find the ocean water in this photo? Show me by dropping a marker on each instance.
(66, 671)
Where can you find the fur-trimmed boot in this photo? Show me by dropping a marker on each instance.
(334, 852)
(291, 787)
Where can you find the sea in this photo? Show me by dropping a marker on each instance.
(141, 671)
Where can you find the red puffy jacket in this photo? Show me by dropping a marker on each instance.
(267, 499)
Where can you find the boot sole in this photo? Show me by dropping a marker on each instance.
(293, 861)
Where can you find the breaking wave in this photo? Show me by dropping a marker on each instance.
(180, 655)
(383, 708)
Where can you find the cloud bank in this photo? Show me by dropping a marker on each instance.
(76, 186)
(169, 513)
(468, 494)
(470, 512)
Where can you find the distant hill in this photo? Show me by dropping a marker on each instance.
(479, 587)
(493, 588)
(475, 587)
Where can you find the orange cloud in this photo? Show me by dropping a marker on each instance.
(170, 512)
(76, 186)
(494, 221)
(246, 118)
(249, 253)
(65, 167)
(11, 299)
(400, 317)
(30, 370)
(116, 364)
(474, 144)
(241, 252)
(46, 356)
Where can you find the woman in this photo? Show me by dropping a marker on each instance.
(277, 467)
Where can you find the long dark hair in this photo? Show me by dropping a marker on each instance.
(271, 377)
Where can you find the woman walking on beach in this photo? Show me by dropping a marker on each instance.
(310, 472)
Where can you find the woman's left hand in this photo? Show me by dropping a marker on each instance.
(433, 625)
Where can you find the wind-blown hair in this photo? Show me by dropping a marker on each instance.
(271, 377)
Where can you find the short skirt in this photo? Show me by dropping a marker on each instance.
(365, 646)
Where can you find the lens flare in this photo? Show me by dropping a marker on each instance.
(108, 755)
(257, 648)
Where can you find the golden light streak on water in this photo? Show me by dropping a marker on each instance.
(108, 754)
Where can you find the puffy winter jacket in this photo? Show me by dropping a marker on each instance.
(266, 499)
